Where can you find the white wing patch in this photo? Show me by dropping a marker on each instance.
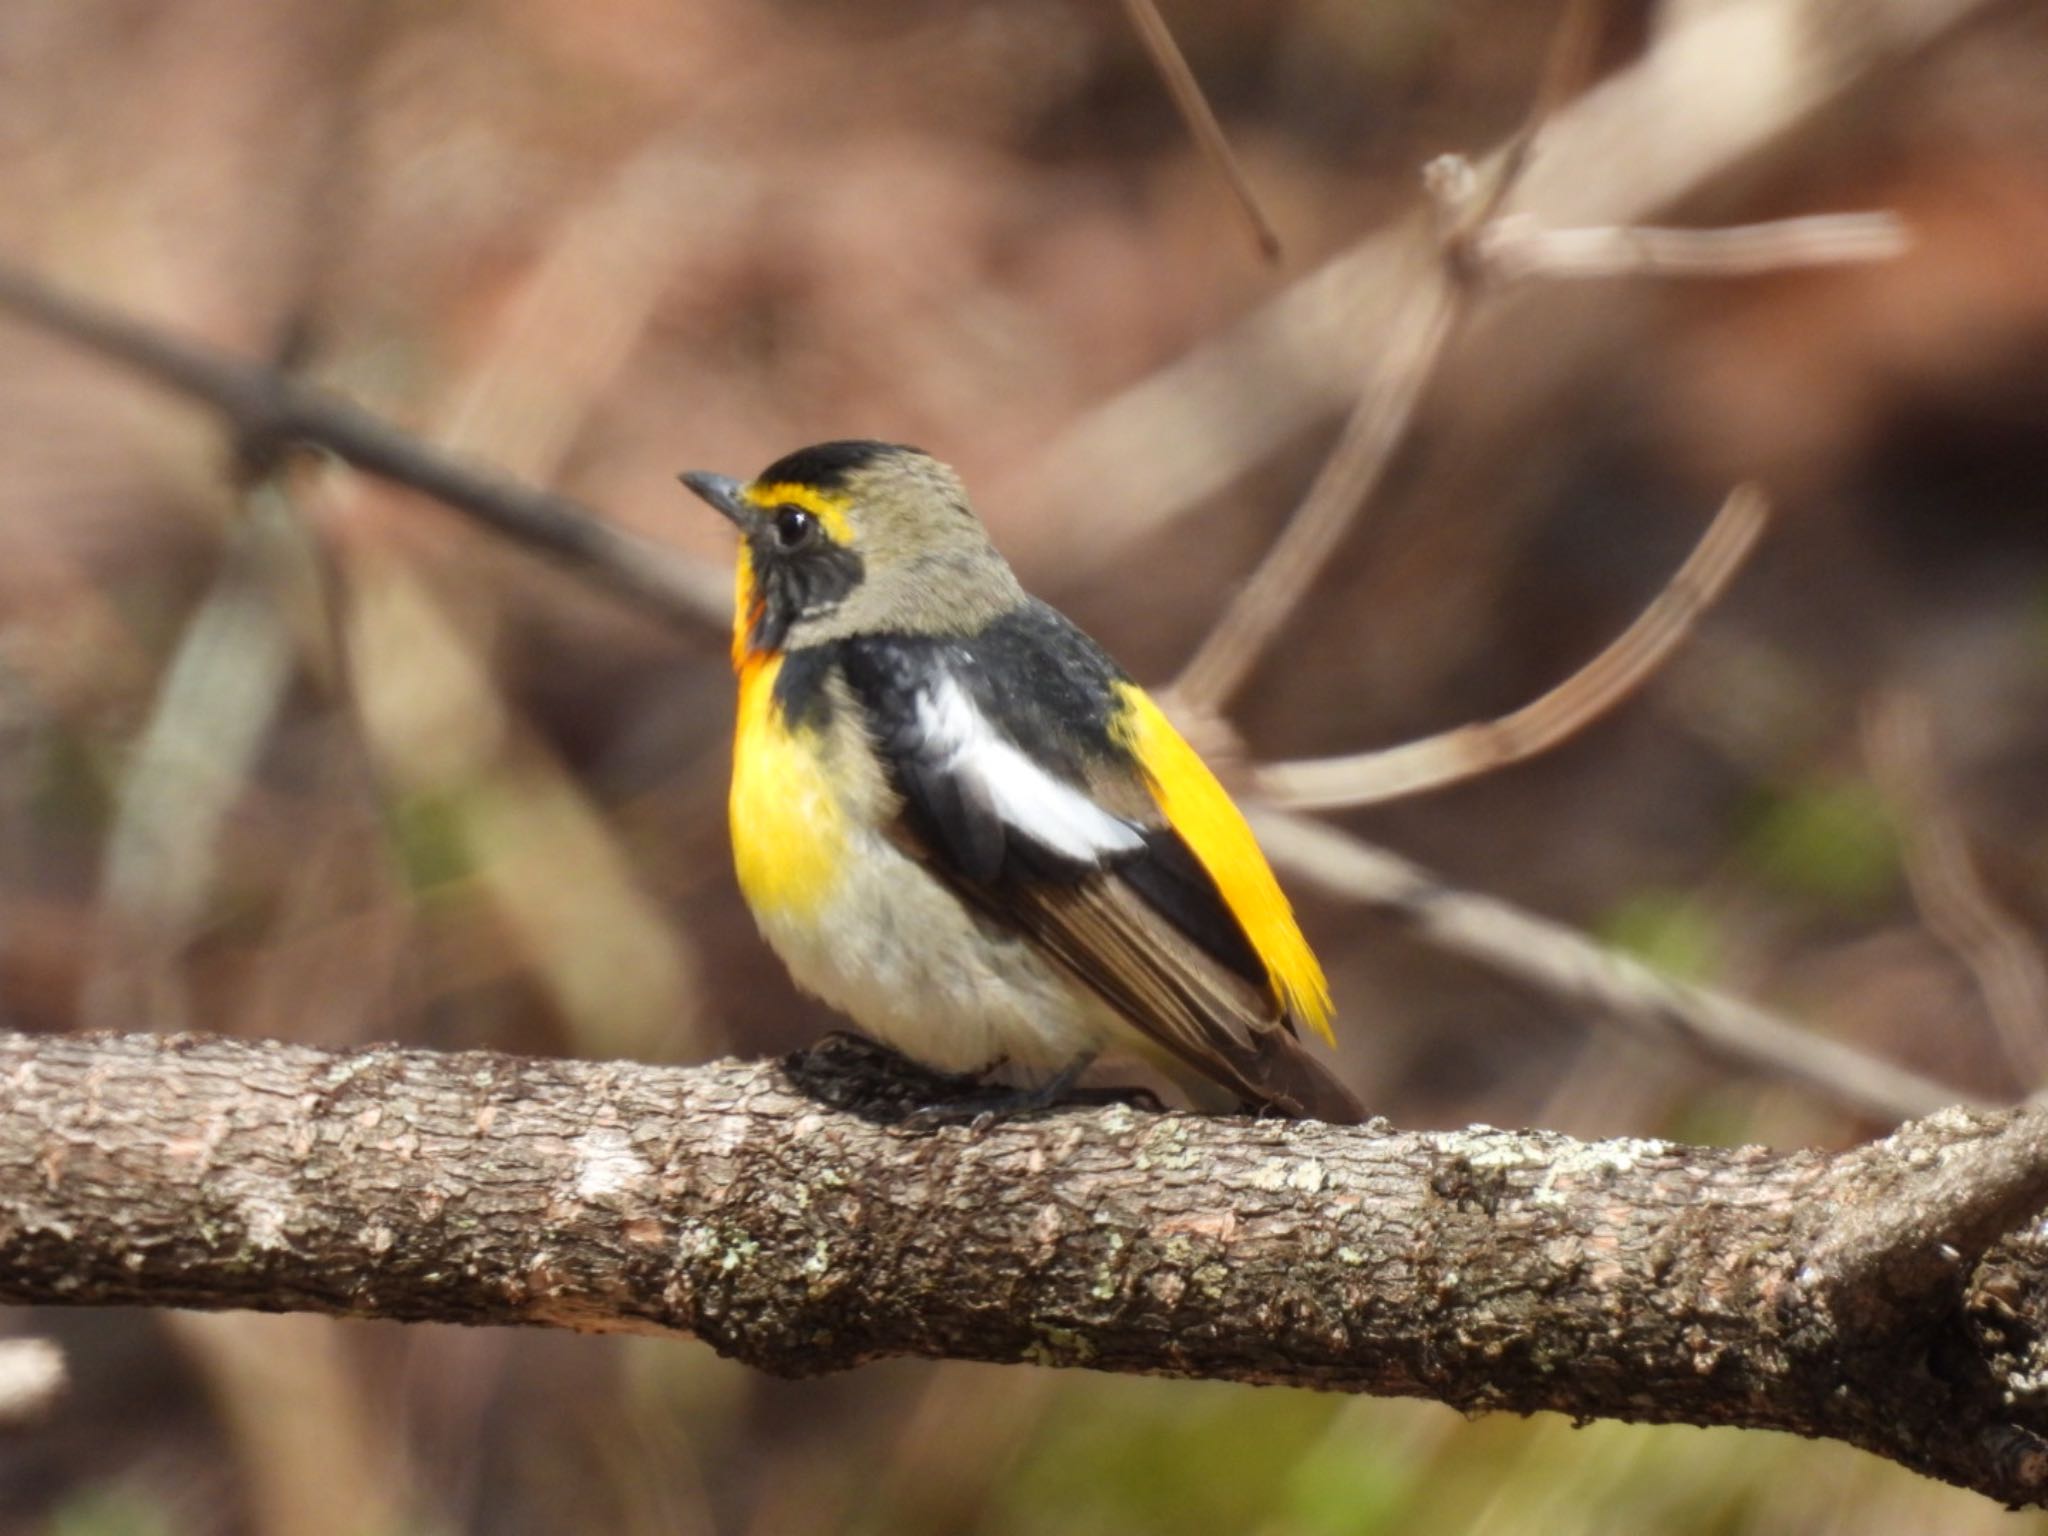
(1023, 795)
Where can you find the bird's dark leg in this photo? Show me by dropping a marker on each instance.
(983, 1108)
(987, 1104)
(856, 1072)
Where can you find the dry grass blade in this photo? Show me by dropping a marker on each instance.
(1567, 964)
(622, 976)
(1515, 248)
(32, 1378)
(1200, 117)
(1628, 662)
(333, 1465)
(221, 697)
(2008, 965)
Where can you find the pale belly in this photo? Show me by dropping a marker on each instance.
(902, 957)
(867, 929)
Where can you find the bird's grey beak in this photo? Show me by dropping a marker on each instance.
(723, 492)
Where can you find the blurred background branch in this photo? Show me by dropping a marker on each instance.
(32, 1378)
(268, 411)
(1718, 83)
(1515, 248)
(1619, 989)
(2010, 971)
(1464, 203)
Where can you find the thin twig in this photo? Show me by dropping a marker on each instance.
(1629, 661)
(1193, 105)
(1565, 963)
(1718, 85)
(1567, 66)
(1516, 248)
(1358, 463)
(2008, 966)
(1464, 202)
(269, 409)
(1354, 468)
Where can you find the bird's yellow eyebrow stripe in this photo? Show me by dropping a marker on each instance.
(829, 510)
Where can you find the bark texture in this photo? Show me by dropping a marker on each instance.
(1893, 1296)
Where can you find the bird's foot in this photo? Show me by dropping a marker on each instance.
(1130, 1095)
(878, 1083)
(989, 1104)
(864, 1076)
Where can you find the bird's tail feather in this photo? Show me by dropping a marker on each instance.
(1292, 1080)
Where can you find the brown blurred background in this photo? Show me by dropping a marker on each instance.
(331, 765)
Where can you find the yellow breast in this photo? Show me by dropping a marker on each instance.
(788, 827)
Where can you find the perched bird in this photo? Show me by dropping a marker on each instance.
(964, 826)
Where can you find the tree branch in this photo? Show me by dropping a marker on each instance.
(779, 1212)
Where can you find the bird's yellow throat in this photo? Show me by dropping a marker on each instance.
(788, 827)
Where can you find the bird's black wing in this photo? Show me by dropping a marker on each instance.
(1017, 790)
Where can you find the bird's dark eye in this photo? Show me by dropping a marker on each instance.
(794, 527)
